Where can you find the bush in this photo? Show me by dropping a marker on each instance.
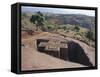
(90, 35)
(48, 28)
(62, 27)
(77, 28)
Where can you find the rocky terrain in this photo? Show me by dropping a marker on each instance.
(35, 60)
(70, 40)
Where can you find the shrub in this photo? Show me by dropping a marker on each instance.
(64, 27)
(90, 35)
(77, 28)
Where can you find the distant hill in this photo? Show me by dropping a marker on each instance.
(73, 19)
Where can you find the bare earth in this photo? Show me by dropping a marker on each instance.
(34, 60)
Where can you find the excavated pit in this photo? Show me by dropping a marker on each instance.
(77, 54)
(70, 51)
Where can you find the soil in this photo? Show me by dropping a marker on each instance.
(35, 60)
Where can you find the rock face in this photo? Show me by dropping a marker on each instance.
(66, 50)
(54, 48)
(88, 51)
(77, 54)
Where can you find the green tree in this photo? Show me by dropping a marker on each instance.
(38, 19)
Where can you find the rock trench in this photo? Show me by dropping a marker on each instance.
(66, 50)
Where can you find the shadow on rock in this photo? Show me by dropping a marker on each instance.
(77, 54)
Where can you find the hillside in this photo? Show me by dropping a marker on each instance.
(72, 19)
(66, 24)
(53, 41)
